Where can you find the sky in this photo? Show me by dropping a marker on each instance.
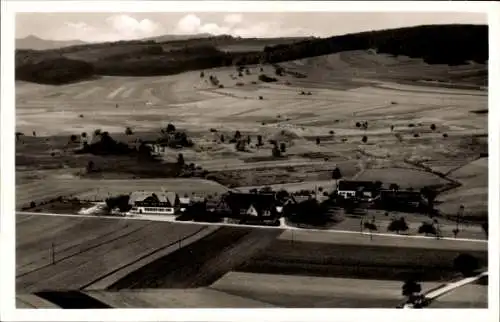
(97, 27)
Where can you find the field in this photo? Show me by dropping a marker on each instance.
(86, 249)
(357, 87)
(399, 97)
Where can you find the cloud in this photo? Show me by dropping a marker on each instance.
(234, 25)
(130, 27)
(233, 19)
(116, 27)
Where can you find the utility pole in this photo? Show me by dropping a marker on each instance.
(52, 253)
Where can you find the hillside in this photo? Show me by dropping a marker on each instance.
(36, 43)
(437, 44)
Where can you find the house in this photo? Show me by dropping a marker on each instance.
(363, 189)
(247, 205)
(143, 202)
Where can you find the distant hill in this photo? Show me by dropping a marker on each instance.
(435, 44)
(35, 43)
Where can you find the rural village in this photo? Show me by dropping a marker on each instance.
(220, 171)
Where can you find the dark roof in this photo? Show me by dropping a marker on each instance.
(355, 185)
(403, 195)
(261, 201)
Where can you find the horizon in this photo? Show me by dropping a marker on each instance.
(112, 27)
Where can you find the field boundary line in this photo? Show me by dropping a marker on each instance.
(282, 227)
(103, 282)
(79, 252)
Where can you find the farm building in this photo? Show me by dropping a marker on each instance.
(351, 189)
(250, 205)
(143, 202)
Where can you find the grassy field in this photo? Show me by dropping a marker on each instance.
(313, 292)
(86, 249)
(358, 86)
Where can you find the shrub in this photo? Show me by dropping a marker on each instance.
(213, 130)
(267, 79)
(261, 98)
(32, 204)
(331, 132)
(72, 138)
(416, 135)
(445, 135)
(427, 229)
(364, 139)
(318, 140)
(397, 225)
(358, 124)
(128, 131)
(97, 132)
(283, 147)
(170, 128)
(433, 127)
(180, 159)
(466, 264)
(411, 287)
(81, 115)
(411, 125)
(83, 135)
(221, 86)
(202, 74)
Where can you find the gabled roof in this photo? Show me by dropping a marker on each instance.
(259, 201)
(138, 196)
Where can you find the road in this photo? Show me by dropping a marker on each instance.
(281, 227)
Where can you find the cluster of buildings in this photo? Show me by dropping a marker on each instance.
(375, 193)
(267, 205)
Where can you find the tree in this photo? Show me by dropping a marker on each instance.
(427, 229)
(393, 187)
(90, 166)
(466, 264)
(411, 287)
(318, 140)
(240, 145)
(276, 151)
(336, 174)
(371, 226)
(358, 124)
(445, 135)
(364, 139)
(97, 132)
(202, 74)
(180, 159)
(237, 135)
(249, 140)
(222, 138)
(83, 135)
(398, 225)
(283, 147)
(259, 140)
(430, 195)
(170, 128)
(433, 127)
(392, 128)
(73, 138)
(128, 131)
(485, 228)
